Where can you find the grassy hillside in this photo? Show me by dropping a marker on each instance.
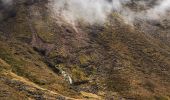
(107, 61)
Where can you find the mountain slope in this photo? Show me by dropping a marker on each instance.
(114, 60)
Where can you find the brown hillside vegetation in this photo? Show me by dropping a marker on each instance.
(105, 62)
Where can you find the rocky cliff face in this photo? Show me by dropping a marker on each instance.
(40, 55)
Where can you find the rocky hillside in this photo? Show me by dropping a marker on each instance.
(46, 58)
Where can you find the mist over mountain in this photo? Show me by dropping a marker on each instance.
(93, 11)
(84, 49)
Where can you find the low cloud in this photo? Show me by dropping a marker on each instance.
(97, 11)
(91, 11)
(7, 2)
(5, 8)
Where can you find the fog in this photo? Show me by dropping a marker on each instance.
(7, 2)
(97, 11)
(159, 10)
(5, 7)
(91, 11)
